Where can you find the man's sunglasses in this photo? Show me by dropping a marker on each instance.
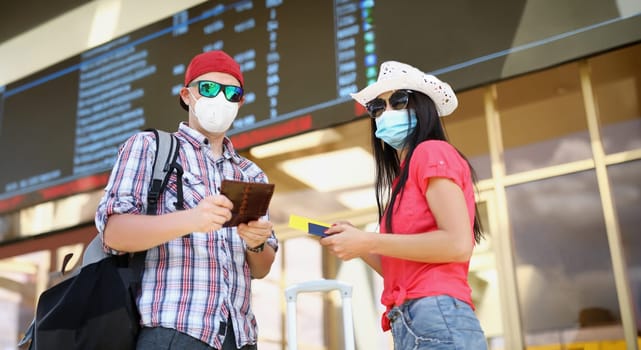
(211, 89)
(397, 100)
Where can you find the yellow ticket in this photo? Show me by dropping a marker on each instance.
(308, 225)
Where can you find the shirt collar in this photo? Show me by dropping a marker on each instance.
(198, 140)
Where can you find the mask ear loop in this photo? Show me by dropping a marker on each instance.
(192, 95)
(189, 106)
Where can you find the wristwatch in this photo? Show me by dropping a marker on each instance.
(257, 249)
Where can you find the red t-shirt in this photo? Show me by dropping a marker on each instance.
(404, 279)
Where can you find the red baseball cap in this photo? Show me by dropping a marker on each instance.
(211, 61)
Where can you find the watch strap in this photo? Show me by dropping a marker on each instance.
(257, 249)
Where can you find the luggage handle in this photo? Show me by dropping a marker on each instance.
(318, 286)
(323, 285)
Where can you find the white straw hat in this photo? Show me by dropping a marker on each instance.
(396, 76)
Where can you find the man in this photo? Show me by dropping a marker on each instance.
(197, 278)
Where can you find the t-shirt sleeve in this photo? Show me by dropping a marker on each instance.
(437, 159)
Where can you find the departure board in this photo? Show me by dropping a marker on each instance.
(61, 127)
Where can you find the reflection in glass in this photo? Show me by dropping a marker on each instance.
(543, 121)
(21, 279)
(563, 264)
(483, 280)
(616, 77)
(303, 263)
(626, 192)
(467, 131)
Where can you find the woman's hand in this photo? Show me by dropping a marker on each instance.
(346, 241)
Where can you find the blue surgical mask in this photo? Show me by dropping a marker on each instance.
(393, 127)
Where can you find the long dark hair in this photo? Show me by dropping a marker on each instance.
(388, 163)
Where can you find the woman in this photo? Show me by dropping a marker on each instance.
(427, 214)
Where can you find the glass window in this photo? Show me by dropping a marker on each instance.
(266, 294)
(483, 279)
(542, 119)
(616, 77)
(626, 190)
(564, 273)
(303, 263)
(467, 130)
(22, 278)
(301, 257)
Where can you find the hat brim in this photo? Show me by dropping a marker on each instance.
(374, 90)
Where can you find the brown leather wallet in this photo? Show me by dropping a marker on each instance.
(251, 200)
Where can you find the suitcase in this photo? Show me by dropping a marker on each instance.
(322, 285)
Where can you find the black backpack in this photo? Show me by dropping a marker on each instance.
(95, 309)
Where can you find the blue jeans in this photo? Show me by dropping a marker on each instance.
(436, 323)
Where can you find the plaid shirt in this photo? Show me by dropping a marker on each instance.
(195, 283)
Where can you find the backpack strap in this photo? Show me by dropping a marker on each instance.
(167, 147)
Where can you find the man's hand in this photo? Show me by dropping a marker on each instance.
(255, 233)
(211, 213)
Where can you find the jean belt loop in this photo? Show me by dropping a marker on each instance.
(394, 313)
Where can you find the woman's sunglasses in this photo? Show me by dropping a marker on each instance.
(397, 100)
(211, 89)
